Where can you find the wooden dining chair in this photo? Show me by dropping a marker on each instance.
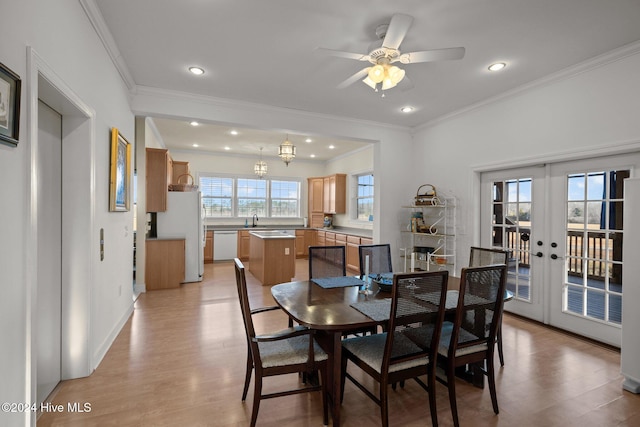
(479, 257)
(390, 357)
(379, 258)
(327, 261)
(470, 338)
(292, 350)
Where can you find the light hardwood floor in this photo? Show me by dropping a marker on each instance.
(180, 360)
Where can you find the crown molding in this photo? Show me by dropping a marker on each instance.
(99, 25)
(607, 58)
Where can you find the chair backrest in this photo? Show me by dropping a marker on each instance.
(245, 308)
(418, 300)
(327, 261)
(479, 257)
(379, 258)
(479, 309)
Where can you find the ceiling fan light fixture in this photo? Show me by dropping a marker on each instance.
(377, 73)
(287, 151)
(396, 74)
(369, 82)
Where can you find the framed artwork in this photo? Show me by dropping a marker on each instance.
(119, 182)
(9, 106)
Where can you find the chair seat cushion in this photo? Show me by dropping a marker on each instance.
(370, 349)
(290, 351)
(422, 337)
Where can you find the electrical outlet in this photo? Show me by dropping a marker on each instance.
(120, 290)
(286, 251)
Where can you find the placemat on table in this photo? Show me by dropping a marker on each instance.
(337, 282)
(452, 299)
(379, 309)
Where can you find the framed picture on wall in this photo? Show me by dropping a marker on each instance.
(9, 106)
(119, 182)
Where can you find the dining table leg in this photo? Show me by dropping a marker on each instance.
(331, 342)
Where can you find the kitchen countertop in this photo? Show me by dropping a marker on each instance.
(361, 232)
(272, 234)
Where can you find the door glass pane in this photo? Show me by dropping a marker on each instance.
(512, 210)
(593, 279)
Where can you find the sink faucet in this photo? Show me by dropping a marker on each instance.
(254, 220)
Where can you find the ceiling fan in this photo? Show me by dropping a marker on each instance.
(385, 52)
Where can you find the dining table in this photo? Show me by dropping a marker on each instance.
(334, 310)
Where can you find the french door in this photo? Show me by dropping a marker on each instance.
(562, 224)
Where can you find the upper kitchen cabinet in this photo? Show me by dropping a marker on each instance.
(181, 169)
(334, 192)
(327, 195)
(159, 177)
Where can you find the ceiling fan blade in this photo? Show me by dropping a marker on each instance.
(432, 55)
(398, 28)
(342, 54)
(357, 76)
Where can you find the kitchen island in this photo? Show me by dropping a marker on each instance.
(272, 256)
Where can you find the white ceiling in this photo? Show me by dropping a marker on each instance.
(263, 52)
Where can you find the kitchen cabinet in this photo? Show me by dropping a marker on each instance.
(272, 259)
(243, 245)
(321, 238)
(304, 239)
(316, 202)
(159, 177)
(353, 254)
(180, 168)
(208, 247)
(165, 264)
(330, 238)
(327, 195)
(334, 194)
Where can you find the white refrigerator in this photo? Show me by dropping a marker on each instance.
(184, 219)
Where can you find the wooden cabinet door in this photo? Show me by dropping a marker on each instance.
(158, 179)
(315, 189)
(243, 245)
(353, 257)
(165, 264)
(327, 191)
(339, 193)
(330, 238)
(300, 243)
(321, 238)
(179, 169)
(208, 247)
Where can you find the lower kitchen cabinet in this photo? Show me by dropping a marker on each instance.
(165, 264)
(243, 245)
(208, 247)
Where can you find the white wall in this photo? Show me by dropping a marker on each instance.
(62, 36)
(592, 110)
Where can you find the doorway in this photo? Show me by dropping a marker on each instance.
(49, 274)
(562, 225)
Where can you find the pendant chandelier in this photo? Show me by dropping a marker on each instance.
(260, 168)
(287, 151)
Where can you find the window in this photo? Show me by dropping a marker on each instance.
(217, 196)
(228, 197)
(364, 199)
(252, 197)
(285, 198)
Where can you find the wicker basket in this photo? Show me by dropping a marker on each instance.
(428, 196)
(184, 187)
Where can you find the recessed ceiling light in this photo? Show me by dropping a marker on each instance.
(227, 148)
(195, 145)
(312, 155)
(234, 132)
(308, 140)
(497, 66)
(406, 109)
(194, 123)
(331, 147)
(196, 70)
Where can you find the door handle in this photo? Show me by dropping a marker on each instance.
(539, 254)
(554, 256)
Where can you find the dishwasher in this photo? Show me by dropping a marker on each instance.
(225, 244)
